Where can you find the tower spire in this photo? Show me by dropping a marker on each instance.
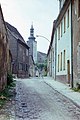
(32, 30)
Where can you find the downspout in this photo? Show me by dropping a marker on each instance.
(55, 51)
(71, 48)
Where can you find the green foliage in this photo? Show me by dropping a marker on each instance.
(10, 80)
(45, 67)
(2, 102)
(40, 66)
(7, 92)
(78, 85)
(4, 96)
(77, 89)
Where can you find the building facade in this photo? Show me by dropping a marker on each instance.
(76, 40)
(32, 44)
(61, 44)
(20, 52)
(31, 67)
(66, 43)
(51, 62)
(63, 56)
(4, 52)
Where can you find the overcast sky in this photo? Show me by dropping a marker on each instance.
(21, 14)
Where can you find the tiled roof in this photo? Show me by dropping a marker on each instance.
(14, 31)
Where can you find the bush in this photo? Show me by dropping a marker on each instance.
(10, 80)
(77, 89)
(8, 91)
(78, 86)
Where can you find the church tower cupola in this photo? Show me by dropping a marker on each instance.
(32, 31)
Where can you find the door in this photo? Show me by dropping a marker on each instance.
(68, 71)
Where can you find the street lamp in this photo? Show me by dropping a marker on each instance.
(43, 37)
(46, 39)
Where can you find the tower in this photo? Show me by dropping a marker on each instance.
(32, 44)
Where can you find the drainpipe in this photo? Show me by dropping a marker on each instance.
(71, 48)
(55, 51)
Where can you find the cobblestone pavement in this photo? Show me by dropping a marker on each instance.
(7, 112)
(35, 100)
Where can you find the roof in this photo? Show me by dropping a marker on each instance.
(52, 36)
(3, 20)
(14, 31)
(16, 34)
(62, 12)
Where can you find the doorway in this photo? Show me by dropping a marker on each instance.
(68, 71)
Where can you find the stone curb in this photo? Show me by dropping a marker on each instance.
(76, 104)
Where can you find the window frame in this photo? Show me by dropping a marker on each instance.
(61, 28)
(61, 62)
(68, 12)
(58, 63)
(64, 60)
(64, 24)
(59, 32)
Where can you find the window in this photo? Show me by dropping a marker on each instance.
(59, 5)
(20, 48)
(59, 33)
(68, 19)
(20, 66)
(26, 52)
(61, 62)
(64, 60)
(24, 55)
(23, 67)
(78, 57)
(26, 67)
(78, 8)
(64, 24)
(58, 63)
(61, 29)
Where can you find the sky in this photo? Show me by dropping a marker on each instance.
(22, 13)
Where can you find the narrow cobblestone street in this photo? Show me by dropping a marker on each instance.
(35, 100)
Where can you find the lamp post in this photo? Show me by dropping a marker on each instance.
(43, 37)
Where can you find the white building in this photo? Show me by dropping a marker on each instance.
(61, 44)
(63, 29)
(65, 57)
(51, 55)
